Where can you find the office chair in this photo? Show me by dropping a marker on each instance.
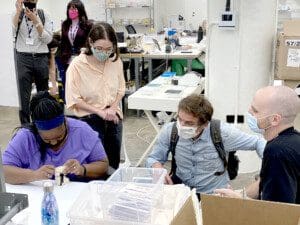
(120, 37)
(130, 29)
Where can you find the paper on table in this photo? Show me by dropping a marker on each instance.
(149, 90)
(161, 80)
(189, 79)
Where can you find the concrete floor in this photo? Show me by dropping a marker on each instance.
(138, 133)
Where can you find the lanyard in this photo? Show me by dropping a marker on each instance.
(72, 33)
(29, 28)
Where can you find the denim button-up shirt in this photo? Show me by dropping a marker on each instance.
(197, 160)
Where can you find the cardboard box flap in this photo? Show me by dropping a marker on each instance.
(291, 27)
(186, 214)
(231, 211)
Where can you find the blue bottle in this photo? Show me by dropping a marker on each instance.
(49, 206)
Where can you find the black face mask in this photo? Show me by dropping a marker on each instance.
(30, 5)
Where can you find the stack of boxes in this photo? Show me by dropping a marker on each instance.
(287, 67)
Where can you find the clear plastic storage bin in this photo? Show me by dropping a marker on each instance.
(112, 204)
(130, 194)
(129, 201)
(139, 175)
(88, 209)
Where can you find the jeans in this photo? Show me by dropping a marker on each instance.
(110, 135)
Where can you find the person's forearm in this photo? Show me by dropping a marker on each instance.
(15, 175)
(39, 27)
(52, 72)
(116, 103)
(16, 19)
(253, 190)
(52, 79)
(96, 169)
(157, 165)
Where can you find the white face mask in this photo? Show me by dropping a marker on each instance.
(253, 123)
(186, 132)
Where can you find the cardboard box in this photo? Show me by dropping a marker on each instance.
(232, 211)
(287, 66)
(294, 84)
(189, 214)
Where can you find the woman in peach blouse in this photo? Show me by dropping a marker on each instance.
(95, 86)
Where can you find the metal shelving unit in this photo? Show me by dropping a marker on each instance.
(120, 13)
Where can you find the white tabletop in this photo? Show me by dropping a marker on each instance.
(160, 95)
(176, 54)
(65, 196)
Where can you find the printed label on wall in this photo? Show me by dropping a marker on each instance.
(292, 43)
(293, 57)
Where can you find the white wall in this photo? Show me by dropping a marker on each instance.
(8, 88)
(194, 11)
(7, 6)
(57, 10)
(240, 61)
(95, 10)
(294, 4)
(8, 85)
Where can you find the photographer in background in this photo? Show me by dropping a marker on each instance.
(32, 31)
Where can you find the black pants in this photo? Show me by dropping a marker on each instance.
(110, 135)
(30, 68)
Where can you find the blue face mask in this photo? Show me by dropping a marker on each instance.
(102, 56)
(253, 125)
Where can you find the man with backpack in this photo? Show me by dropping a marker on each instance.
(32, 31)
(201, 147)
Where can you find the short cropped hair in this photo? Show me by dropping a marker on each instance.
(198, 106)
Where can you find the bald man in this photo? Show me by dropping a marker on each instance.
(272, 113)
